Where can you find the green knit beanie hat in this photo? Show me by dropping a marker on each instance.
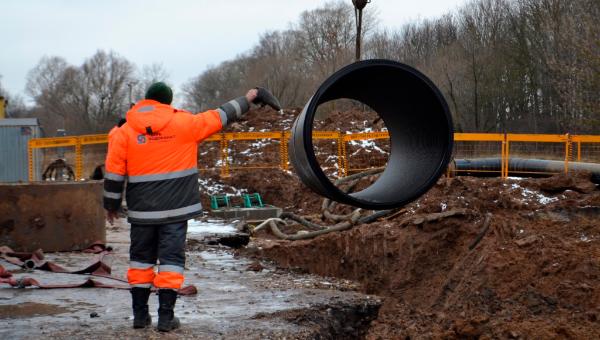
(160, 92)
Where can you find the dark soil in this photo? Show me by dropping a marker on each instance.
(533, 272)
(270, 120)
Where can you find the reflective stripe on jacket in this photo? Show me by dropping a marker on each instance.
(157, 152)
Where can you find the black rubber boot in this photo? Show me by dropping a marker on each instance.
(166, 317)
(139, 299)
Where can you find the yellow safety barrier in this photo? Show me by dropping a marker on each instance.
(493, 143)
(366, 136)
(495, 138)
(588, 141)
(539, 138)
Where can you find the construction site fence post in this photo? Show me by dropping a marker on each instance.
(342, 157)
(78, 160)
(345, 155)
(283, 150)
(568, 152)
(30, 160)
(504, 158)
(224, 156)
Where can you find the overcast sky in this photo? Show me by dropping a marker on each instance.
(185, 36)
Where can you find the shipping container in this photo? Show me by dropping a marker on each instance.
(15, 133)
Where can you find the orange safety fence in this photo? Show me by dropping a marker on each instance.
(339, 153)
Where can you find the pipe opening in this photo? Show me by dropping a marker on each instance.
(338, 158)
(416, 116)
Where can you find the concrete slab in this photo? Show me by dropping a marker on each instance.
(233, 302)
(254, 214)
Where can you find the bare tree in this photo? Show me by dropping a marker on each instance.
(503, 65)
(103, 95)
(327, 37)
(145, 77)
(274, 64)
(83, 99)
(47, 85)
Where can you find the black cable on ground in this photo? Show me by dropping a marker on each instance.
(345, 222)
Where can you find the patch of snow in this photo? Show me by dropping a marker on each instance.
(583, 238)
(534, 195)
(366, 145)
(332, 158)
(545, 200)
(200, 227)
(211, 187)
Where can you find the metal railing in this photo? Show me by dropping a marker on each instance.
(572, 148)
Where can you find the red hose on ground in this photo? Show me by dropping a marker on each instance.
(35, 260)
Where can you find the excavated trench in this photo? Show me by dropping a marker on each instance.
(531, 271)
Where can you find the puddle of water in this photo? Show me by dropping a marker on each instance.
(216, 255)
(30, 309)
(210, 227)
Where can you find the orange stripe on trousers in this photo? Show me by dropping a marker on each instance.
(169, 280)
(140, 276)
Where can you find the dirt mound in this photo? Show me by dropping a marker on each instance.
(352, 120)
(279, 188)
(267, 119)
(578, 181)
(532, 272)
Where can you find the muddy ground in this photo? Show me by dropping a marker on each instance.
(237, 298)
(532, 272)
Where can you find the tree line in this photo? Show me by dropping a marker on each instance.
(503, 66)
(90, 98)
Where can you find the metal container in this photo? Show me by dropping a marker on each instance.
(15, 133)
(54, 216)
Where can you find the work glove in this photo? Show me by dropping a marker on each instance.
(264, 97)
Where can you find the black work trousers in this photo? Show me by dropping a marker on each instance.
(162, 242)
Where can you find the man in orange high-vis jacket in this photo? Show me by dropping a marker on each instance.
(156, 152)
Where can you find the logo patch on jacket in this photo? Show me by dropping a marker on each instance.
(158, 137)
(141, 139)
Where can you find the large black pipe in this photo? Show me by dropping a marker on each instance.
(416, 116)
(521, 167)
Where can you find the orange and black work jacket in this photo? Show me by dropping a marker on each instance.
(156, 152)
